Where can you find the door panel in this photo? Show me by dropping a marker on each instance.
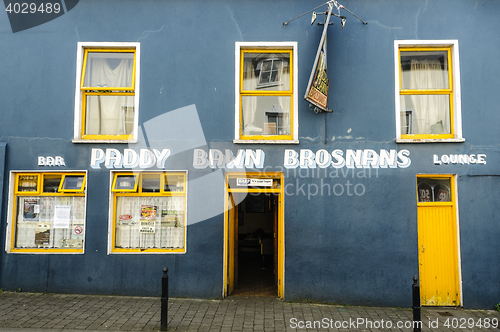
(438, 256)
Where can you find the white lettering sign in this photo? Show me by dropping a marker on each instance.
(462, 159)
(366, 158)
(113, 158)
(51, 161)
(217, 159)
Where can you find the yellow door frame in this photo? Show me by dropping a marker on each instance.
(435, 208)
(275, 189)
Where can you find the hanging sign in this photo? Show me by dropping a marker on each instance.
(317, 88)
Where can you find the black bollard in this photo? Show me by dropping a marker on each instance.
(164, 299)
(417, 319)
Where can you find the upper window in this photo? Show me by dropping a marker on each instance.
(149, 212)
(428, 91)
(107, 95)
(48, 212)
(266, 93)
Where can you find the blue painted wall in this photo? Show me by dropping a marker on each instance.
(355, 249)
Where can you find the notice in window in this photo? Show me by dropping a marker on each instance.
(62, 216)
(31, 209)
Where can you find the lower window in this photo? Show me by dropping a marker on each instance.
(149, 212)
(48, 212)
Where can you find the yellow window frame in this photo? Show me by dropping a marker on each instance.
(244, 93)
(27, 193)
(138, 193)
(448, 92)
(39, 192)
(104, 91)
(115, 179)
(72, 190)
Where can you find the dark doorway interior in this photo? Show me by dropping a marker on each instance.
(257, 225)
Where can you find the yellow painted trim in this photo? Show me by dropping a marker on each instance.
(40, 193)
(138, 193)
(267, 93)
(81, 190)
(281, 221)
(448, 91)
(107, 50)
(27, 193)
(226, 238)
(84, 114)
(173, 193)
(260, 191)
(107, 91)
(113, 187)
(47, 250)
(436, 300)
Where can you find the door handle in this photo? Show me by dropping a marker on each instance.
(423, 248)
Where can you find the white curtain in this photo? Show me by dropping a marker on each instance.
(109, 115)
(29, 230)
(430, 114)
(169, 222)
(249, 104)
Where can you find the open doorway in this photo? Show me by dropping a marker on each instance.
(257, 254)
(254, 240)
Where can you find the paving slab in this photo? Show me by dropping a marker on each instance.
(39, 312)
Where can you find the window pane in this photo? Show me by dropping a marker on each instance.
(109, 69)
(109, 115)
(150, 222)
(424, 70)
(37, 226)
(125, 182)
(27, 183)
(150, 183)
(425, 114)
(266, 115)
(266, 72)
(434, 190)
(174, 182)
(73, 182)
(51, 183)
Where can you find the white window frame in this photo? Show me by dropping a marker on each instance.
(266, 45)
(455, 67)
(77, 138)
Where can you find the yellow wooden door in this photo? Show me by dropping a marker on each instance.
(438, 247)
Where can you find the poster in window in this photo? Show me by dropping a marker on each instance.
(31, 209)
(42, 233)
(148, 212)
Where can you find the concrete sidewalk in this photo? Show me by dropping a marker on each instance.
(32, 312)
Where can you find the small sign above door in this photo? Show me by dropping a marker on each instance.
(245, 182)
